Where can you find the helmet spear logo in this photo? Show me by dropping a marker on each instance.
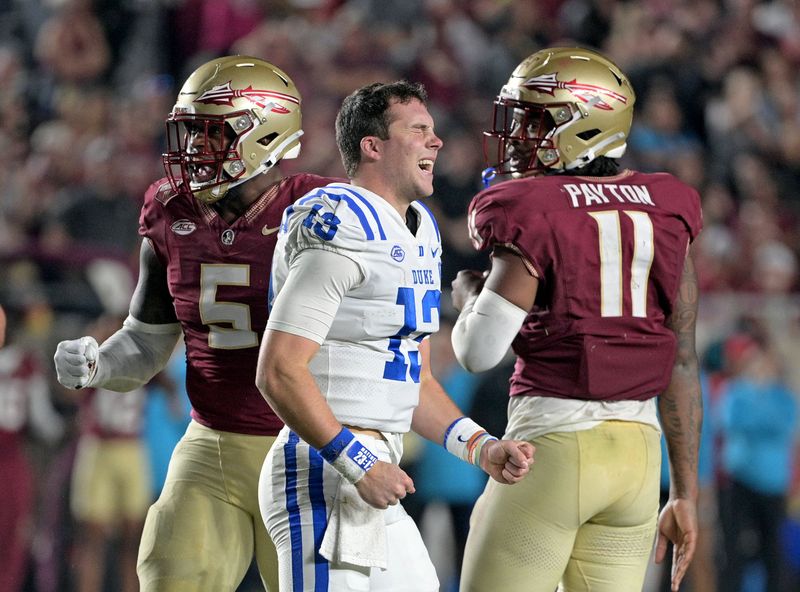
(586, 93)
(223, 94)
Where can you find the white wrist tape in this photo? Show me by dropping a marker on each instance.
(465, 439)
(133, 355)
(348, 456)
(484, 331)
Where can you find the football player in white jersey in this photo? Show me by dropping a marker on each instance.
(345, 361)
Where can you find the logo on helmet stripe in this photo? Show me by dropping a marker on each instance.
(223, 94)
(586, 93)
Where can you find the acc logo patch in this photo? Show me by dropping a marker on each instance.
(183, 227)
(398, 254)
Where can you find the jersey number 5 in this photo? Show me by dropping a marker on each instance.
(213, 312)
(610, 243)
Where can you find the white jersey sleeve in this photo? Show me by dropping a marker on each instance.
(315, 286)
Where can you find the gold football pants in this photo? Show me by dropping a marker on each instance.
(584, 517)
(201, 534)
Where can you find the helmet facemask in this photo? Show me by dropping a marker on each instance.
(522, 138)
(201, 154)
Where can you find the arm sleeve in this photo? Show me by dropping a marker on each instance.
(484, 331)
(134, 354)
(314, 288)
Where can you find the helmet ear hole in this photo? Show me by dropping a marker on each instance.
(588, 134)
(268, 139)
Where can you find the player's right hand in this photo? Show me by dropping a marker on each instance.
(384, 485)
(75, 361)
(507, 461)
(468, 284)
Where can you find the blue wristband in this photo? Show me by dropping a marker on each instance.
(362, 456)
(348, 456)
(334, 448)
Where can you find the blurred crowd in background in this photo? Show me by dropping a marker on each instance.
(85, 87)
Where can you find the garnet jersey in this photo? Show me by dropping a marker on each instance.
(368, 367)
(608, 253)
(218, 276)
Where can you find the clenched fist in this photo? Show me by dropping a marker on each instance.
(75, 361)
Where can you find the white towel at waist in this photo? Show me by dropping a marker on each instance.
(356, 531)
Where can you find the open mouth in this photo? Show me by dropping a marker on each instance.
(201, 173)
(426, 165)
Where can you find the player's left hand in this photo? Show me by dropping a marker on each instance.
(678, 524)
(507, 461)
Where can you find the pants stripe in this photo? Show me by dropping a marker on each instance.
(292, 507)
(319, 515)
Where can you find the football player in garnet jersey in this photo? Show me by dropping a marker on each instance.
(209, 230)
(593, 286)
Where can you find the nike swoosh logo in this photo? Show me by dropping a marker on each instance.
(462, 439)
(266, 231)
(434, 251)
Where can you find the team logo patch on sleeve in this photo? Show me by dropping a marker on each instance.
(183, 227)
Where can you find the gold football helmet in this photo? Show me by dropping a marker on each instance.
(562, 108)
(235, 118)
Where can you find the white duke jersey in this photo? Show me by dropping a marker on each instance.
(368, 367)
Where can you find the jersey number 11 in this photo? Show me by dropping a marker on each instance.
(610, 243)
